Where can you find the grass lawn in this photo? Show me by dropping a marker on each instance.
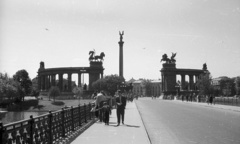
(44, 104)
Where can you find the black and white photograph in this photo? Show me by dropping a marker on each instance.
(120, 71)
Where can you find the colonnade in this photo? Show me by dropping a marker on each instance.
(169, 82)
(45, 81)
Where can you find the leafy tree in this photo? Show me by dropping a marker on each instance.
(8, 88)
(204, 84)
(77, 91)
(54, 92)
(24, 81)
(227, 86)
(109, 83)
(34, 88)
(237, 86)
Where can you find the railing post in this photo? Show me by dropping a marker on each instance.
(79, 113)
(50, 128)
(1, 132)
(85, 113)
(31, 122)
(63, 127)
(89, 108)
(72, 118)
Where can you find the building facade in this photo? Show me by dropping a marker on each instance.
(140, 89)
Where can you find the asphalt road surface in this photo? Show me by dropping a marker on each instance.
(176, 122)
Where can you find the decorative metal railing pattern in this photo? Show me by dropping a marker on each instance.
(54, 127)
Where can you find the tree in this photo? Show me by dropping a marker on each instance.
(34, 88)
(237, 85)
(77, 91)
(204, 84)
(108, 83)
(54, 92)
(227, 86)
(8, 88)
(24, 81)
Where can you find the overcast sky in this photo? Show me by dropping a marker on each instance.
(62, 32)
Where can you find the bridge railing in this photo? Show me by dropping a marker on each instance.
(234, 101)
(53, 127)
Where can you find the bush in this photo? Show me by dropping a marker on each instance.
(54, 92)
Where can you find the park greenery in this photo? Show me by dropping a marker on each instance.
(110, 84)
(54, 92)
(204, 84)
(24, 83)
(14, 89)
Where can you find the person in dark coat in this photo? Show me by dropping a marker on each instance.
(106, 112)
(121, 104)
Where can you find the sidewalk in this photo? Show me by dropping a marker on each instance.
(132, 132)
(226, 107)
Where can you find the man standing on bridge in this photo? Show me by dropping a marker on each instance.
(121, 104)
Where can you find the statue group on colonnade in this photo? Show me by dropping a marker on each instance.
(94, 57)
(169, 60)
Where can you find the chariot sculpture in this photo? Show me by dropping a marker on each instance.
(169, 60)
(96, 58)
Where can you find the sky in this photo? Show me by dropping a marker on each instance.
(62, 32)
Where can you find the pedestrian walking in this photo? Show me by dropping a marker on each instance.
(121, 104)
(106, 112)
(100, 98)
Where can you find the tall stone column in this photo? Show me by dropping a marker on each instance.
(191, 82)
(121, 54)
(60, 81)
(49, 81)
(43, 82)
(69, 82)
(163, 83)
(183, 81)
(53, 77)
(46, 82)
(79, 79)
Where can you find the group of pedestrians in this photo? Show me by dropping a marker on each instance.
(103, 105)
(198, 98)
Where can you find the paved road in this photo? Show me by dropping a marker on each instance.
(176, 122)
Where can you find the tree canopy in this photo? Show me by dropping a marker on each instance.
(227, 85)
(237, 86)
(54, 92)
(24, 81)
(8, 88)
(109, 84)
(204, 84)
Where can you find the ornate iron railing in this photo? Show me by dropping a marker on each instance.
(54, 127)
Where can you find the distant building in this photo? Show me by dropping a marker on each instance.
(156, 87)
(216, 82)
(140, 89)
(229, 86)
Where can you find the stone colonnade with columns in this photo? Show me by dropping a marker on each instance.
(47, 77)
(169, 73)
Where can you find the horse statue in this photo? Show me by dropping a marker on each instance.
(97, 57)
(91, 57)
(171, 60)
(165, 58)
